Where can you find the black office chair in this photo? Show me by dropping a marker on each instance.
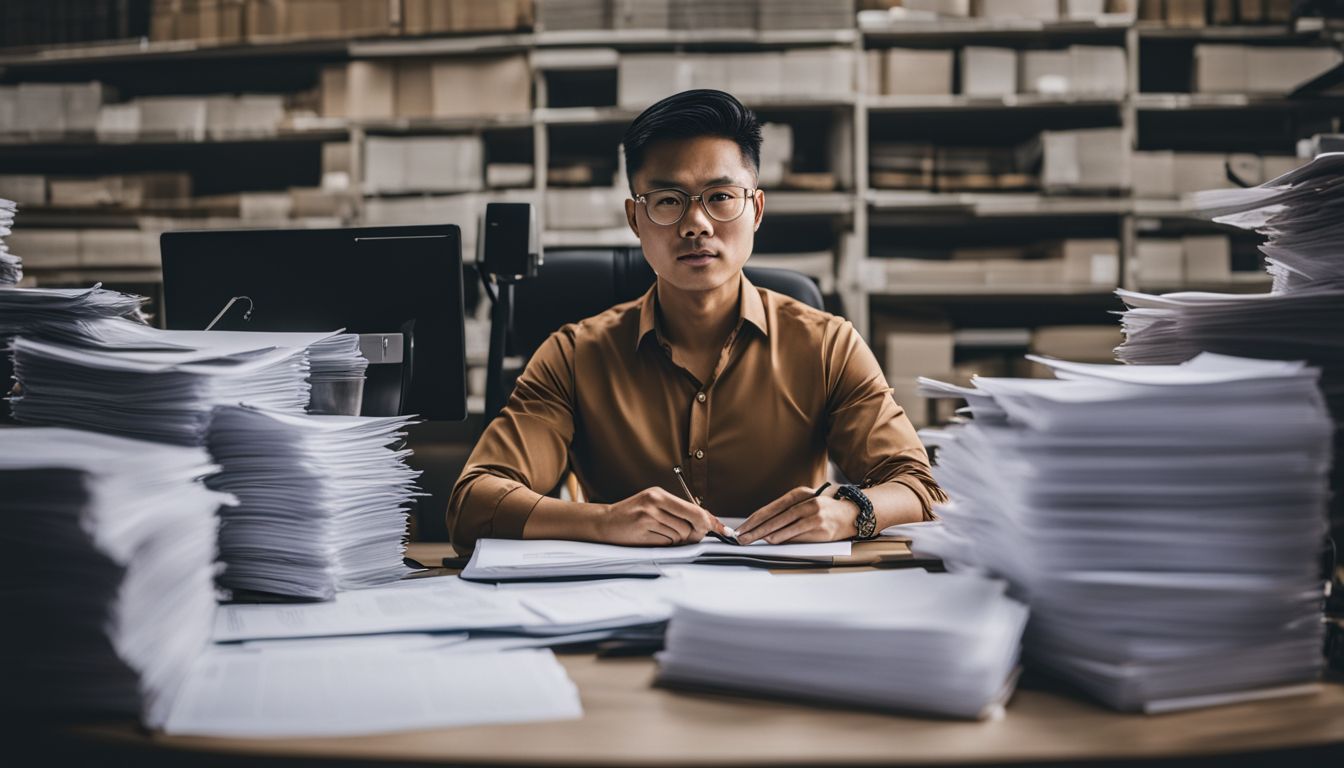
(572, 285)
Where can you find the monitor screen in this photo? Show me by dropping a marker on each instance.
(365, 280)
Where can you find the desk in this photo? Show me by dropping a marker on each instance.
(628, 722)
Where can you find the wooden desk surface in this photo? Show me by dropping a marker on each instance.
(628, 722)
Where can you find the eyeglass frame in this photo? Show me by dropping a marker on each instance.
(748, 193)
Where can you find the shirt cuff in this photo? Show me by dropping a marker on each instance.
(927, 497)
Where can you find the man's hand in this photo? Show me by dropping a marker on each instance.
(798, 517)
(654, 517)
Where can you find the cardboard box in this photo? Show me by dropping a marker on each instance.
(1093, 262)
(45, 248)
(1083, 9)
(1185, 13)
(118, 122)
(1221, 69)
(1154, 174)
(24, 189)
(85, 192)
(1198, 171)
(1281, 70)
(40, 108)
(1046, 72)
(919, 353)
(585, 208)
(314, 19)
(874, 78)
(1159, 263)
(504, 175)
(988, 71)
(359, 90)
(641, 14)
(499, 85)
(415, 89)
(175, 117)
(1208, 259)
(1076, 343)
(423, 164)
(116, 248)
(644, 78)
(755, 75)
(1097, 70)
(1250, 11)
(318, 203)
(420, 17)
(264, 20)
(9, 108)
(1080, 343)
(1042, 10)
(776, 154)
(1087, 159)
(913, 72)
(817, 72)
(958, 8)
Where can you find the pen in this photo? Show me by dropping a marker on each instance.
(731, 535)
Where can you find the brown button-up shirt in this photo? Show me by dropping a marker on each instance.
(608, 398)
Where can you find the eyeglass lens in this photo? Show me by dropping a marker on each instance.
(667, 206)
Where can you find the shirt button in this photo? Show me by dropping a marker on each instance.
(699, 454)
(700, 397)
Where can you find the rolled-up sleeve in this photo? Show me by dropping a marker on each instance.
(523, 452)
(868, 433)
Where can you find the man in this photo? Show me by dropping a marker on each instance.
(743, 389)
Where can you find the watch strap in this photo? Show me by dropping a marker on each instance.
(866, 523)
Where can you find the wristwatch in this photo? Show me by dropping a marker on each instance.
(866, 522)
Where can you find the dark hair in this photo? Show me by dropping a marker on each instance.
(689, 114)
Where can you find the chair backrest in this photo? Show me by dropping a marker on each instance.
(572, 285)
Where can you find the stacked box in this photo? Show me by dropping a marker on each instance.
(1088, 159)
(24, 189)
(1258, 69)
(917, 72)
(911, 354)
(563, 15)
(1208, 259)
(1039, 10)
(776, 154)
(423, 164)
(497, 85)
(641, 14)
(585, 208)
(712, 15)
(173, 117)
(805, 14)
(988, 71)
(1159, 263)
(1094, 262)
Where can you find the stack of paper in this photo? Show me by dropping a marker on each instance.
(11, 266)
(156, 394)
(339, 688)
(908, 640)
(522, 560)
(1299, 320)
(1163, 522)
(107, 577)
(323, 500)
(27, 309)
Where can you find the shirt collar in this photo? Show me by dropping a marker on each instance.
(750, 309)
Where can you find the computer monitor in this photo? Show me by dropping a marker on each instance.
(369, 280)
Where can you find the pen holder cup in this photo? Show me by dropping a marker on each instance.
(337, 396)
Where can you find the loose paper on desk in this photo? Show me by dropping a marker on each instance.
(501, 559)
(343, 690)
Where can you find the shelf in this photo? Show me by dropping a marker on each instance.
(796, 202)
(1309, 29)
(647, 38)
(618, 237)
(143, 50)
(90, 141)
(958, 30)
(1167, 102)
(1248, 282)
(1020, 101)
(1007, 204)
(968, 292)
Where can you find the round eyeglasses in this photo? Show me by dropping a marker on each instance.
(667, 206)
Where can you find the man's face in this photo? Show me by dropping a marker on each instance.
(696, 253)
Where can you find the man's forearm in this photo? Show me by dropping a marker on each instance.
(560, 519)
(894, 503)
